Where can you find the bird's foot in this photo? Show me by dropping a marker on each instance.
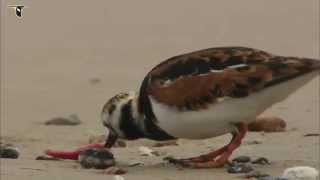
(203, 161)
(202, 158)
(197, 165)
(172, 160)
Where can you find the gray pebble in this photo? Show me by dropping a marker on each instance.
(239, 168)
(72, 120)
(271, 178)
(96, 158)
(261, 160)
(9, 151)
(241, 159)
(254, 174)
(47, 158)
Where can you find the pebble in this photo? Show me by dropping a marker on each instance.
(145, 151)
(9, 151)
(268, 124)
(301, 173)
(95, 80)
(241, 159)
(261, 160)
(254, 174)
(115, 170)
(271, 178)
(166, 143)
(253, 142)
(311, 134)
(135, 163)
(96, 158)
(47, 158)
(72, 120)
(118, 177)
(239, 168)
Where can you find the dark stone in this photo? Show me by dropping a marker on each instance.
(261, 160)
(241, 159)
(271, 178)
(8, 151)
(47, 158)
(239, 168)
(255, 174)
(96, 158)
(72, 120)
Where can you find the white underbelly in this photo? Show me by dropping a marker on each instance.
(220, 117)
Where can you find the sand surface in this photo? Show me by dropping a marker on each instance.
(50, 58)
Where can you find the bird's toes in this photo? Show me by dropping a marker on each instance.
(181, 162)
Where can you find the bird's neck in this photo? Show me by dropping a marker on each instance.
(146, 121)
(131, 121)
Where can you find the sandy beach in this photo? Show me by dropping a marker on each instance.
(70, 57)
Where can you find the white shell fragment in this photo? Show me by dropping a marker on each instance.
(118, 177)
(301, 173)
(145, 151)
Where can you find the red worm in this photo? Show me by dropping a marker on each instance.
(71, 154)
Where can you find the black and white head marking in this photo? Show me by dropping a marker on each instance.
(121, 116)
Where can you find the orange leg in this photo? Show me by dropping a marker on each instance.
(216, 158)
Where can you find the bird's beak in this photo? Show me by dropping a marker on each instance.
(112, 138)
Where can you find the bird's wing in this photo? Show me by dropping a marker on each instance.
(194, 80)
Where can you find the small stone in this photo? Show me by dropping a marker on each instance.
(166, 143)
(115, 170)
(311, 134)
(271, 178)
(253, 142)
(9, 151)
(261, 160)
(301, 173)
(135, 163)
(145, 151)
(268, 124)
(72, 120)
(47, 158)
(267, 178)
(118, 177)
(96, 158)
(239, 168)
(254, 174)
(95, 80)
(241, 159)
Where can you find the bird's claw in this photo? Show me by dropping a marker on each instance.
(181, 162)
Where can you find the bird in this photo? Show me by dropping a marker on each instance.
(205, 94)
(18, 9)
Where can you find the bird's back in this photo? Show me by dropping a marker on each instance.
(194, 80)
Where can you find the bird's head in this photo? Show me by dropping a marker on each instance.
(120, 116)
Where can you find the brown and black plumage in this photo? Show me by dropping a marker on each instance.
(205, 94)
(194, 80)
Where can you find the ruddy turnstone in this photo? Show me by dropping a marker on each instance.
(200, 95)
(18, 9)
(205, 94)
